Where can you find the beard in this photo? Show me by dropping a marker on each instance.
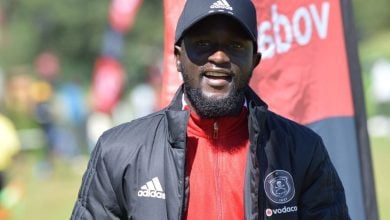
(209, 107)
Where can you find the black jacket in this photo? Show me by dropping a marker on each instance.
(137, 170)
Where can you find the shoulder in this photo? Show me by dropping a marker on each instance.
(122, 146)
(125, 140)
(132, 131)
(305, 147)
(291, 128)
(277, 124)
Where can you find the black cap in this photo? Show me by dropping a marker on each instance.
(195, 10)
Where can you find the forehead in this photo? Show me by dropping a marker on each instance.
(217, 25)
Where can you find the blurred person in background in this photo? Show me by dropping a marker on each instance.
(28, 105)
(143, 96)
(18, 103)
(42, 94)
(216, 152)
(142, 99)
(70, 117)
(9, 147)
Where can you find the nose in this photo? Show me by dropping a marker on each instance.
(219, 57)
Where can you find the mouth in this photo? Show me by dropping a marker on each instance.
(216, 82)
(218, 78)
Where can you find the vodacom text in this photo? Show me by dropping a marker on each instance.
(277, 36)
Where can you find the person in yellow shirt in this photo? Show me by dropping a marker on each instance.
(9, 146)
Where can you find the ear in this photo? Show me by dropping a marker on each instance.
(178, 51)
(256, 59)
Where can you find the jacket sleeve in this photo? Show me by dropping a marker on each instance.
(97, 198)
(323, 193)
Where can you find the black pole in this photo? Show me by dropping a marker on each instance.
(368, 183)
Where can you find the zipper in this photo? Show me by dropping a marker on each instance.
(215, 130)
(217, 174)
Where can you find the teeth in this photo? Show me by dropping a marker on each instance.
(216, 74)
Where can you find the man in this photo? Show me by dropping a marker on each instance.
(216, 152)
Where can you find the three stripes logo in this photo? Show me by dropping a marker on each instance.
(221, 4)
(152, 189)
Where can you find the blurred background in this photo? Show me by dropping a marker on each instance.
(52, 60)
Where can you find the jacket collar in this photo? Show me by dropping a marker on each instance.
(254, 100)
(176, 103)
(178, 119)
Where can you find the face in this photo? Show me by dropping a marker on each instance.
(216, 58)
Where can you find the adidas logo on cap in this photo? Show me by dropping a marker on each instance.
(152, 189)
(221, 4)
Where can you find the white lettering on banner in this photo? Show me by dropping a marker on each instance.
(270, 44)
(302, 38)
(279, 21)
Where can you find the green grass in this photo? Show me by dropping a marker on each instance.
(53, 197)
(44, 195)
(381, 157)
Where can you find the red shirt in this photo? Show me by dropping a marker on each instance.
(216, 158)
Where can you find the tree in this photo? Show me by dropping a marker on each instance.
(74, 31)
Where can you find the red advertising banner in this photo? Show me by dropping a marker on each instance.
(171, 78)
(304, 71)
(107, 85)
(122, 14)
(108, 73)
